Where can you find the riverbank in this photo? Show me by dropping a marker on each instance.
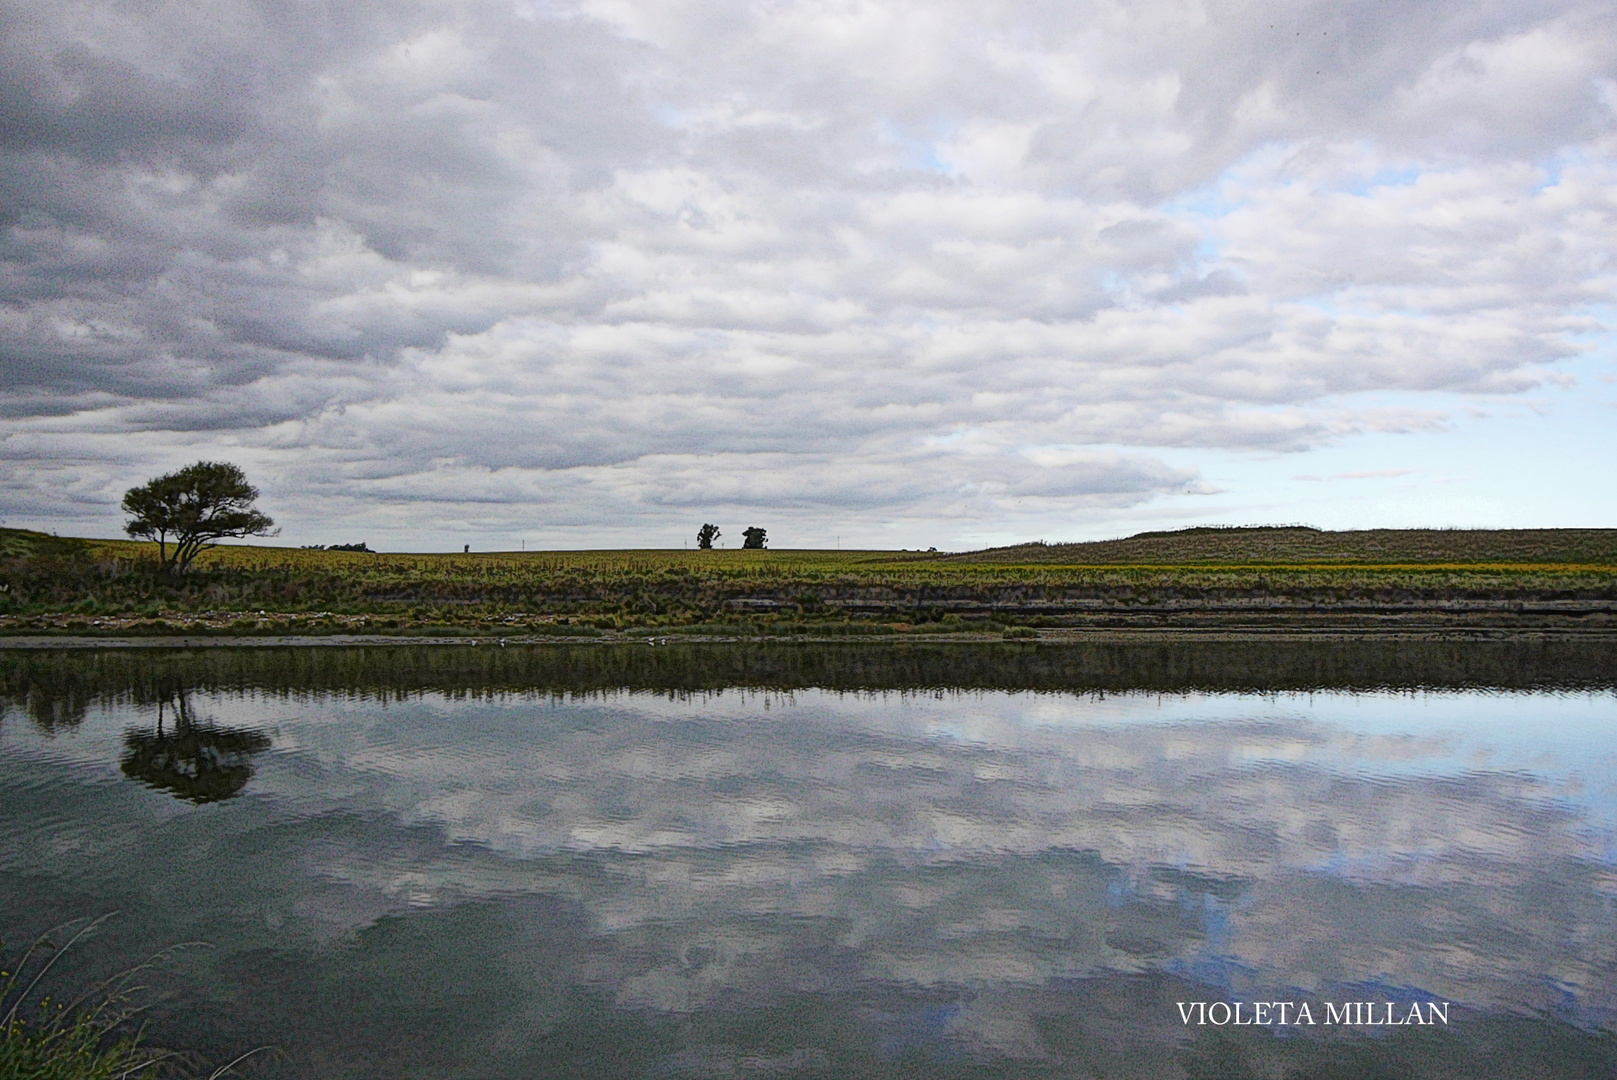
(989, 617)
(745, 634)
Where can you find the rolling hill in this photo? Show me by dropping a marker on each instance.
(1300, 544)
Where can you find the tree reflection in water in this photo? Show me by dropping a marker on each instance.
(198, 761)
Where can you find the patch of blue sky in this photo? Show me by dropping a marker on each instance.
(1552, 178)
(1115, 283)
(1599, 338)
(932, 163)
(1404, 176)
(922, 148)
(671, 116)
(948, 438)
(1203, 208)
(1592, 366)
(1417, 459)
(1208, 202)
(1261, 168)
(1209, 249)
(1320, 303)
(1492, 462)
(1555, 166)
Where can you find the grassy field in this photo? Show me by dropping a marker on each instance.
(1193, 577)
(1300, 544)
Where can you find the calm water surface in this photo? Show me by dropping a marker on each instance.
(800, 880)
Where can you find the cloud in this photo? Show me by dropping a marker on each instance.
(596, 262)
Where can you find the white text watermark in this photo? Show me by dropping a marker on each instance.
(1310, 1013)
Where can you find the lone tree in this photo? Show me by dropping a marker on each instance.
(755, 537)
(706, 535)
(201, 503)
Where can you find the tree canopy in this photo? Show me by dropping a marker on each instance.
(193, 507)
(706, 535)
(755, 537)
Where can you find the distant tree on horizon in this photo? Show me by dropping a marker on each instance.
(706, 535)
(192, 508)
(755, 537)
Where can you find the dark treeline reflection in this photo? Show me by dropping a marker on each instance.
(55, 687)
(190, 758)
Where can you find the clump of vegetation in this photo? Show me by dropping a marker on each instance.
(88, 1038)
(93, 1036)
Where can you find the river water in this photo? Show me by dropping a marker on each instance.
(881, 861)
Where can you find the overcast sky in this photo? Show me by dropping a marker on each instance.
(904, 274)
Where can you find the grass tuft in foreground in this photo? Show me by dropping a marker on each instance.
(77, 1050)
(92, 1037)
(43, 1038)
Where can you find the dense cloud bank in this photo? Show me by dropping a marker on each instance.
(580, 270)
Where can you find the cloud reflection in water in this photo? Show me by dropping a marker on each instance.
(991, 848)
(1276, 851)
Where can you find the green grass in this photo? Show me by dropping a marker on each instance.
(89, 1038)
(113, 586)
(94, 1036)
(76, 1050)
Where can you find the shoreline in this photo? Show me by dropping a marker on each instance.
(1059, 636)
